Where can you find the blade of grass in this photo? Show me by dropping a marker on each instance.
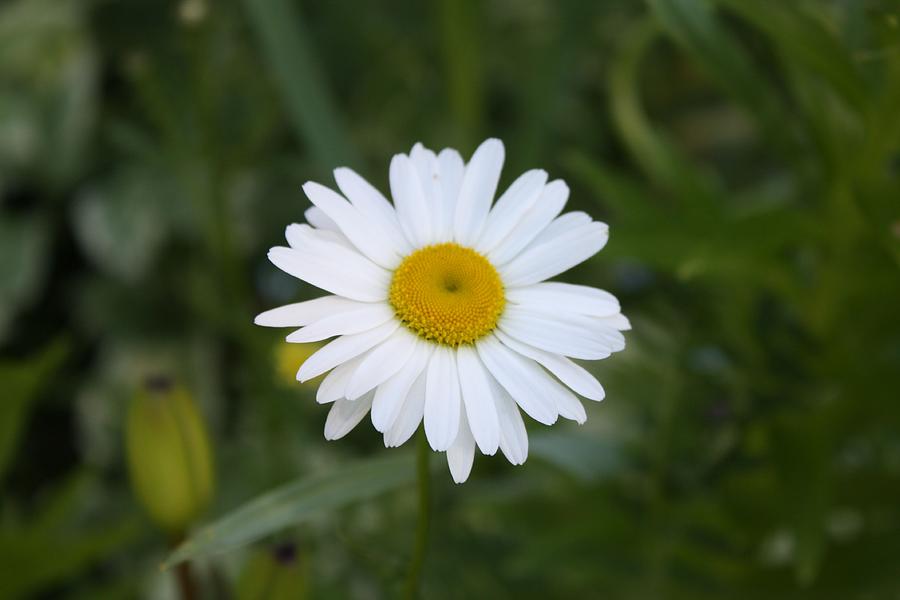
(694, 27)
(806, 42)
(547, 84)
(628, 199)
(653, 151)
(22, 382)
(309, 105)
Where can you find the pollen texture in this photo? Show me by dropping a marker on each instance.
(448, 294)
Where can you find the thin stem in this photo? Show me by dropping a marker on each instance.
(186, 584)
(414, 578)
(184, 575)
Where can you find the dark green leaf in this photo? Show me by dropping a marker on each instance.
(21, 383)
(692, 24)
(654, 152)
(805, 41)
(23, 249)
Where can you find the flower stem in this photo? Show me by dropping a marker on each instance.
(413, 580)
(186, 584)
(184, 575)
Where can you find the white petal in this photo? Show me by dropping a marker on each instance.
(510, 208)
(316, 217)
(345, 415)
(540, 382)
(617, 321)
(442, 399)
(573, 375)
(562, 224)
(569, 406)
(521, 377)
(550, 203)
(335, 383)
(334, 268)
(343, 349)
(410, 414)
(296, 233)
(366, 235)
(302, 313)
(600, 328)
(409, 199)
(478, 400)
(477, 191)
(372, 205)
(356, 318)
(390, 395)
(382, 362)
(461, 453)
(513, 435)
(570, 335)
(452, 169)
(556, 297)
(428, 170)
(555, 255)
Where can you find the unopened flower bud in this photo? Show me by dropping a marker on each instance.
(169, 455)
(274, 574)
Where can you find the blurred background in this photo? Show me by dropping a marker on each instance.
(746, 155)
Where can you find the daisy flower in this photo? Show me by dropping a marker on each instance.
(440, 308)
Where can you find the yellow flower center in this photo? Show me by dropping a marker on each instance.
(447, 294)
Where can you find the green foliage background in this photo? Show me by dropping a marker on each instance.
(745, 153)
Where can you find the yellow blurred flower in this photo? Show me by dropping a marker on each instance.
(289, 357)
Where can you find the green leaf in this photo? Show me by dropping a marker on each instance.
(585, 457)
(23, 250)
(309, 106)
(805, 41)
(54, 529)
(295, 503)
(804, 445)
(627, 198)
(653, 151)
(120, 224)
(694, 27)
(21, 383)
(49, 71)
(30, 564)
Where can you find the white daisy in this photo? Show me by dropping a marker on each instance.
(440, 308)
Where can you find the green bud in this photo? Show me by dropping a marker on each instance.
(273, 574)
(169, 455)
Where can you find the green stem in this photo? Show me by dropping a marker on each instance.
(414, 578)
